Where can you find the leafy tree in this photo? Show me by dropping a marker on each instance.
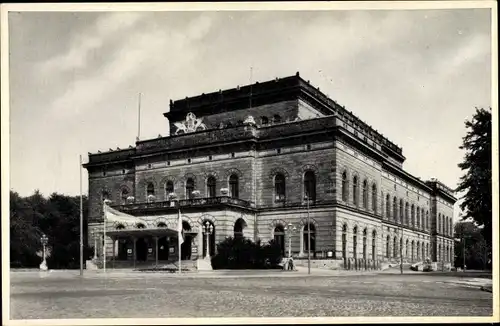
(24, 236)
(476, 182)
(58, 217)
(473, 245)
(241, 253)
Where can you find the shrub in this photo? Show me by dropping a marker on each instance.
(241, 253)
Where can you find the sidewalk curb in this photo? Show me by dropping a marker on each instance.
(487, 289)
(469, 285)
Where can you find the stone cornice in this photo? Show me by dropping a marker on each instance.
(292, 132)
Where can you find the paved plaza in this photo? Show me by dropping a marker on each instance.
(241, 294)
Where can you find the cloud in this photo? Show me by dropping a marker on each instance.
(475, 48)
(392, 68)
(137, 52)
(82, 46)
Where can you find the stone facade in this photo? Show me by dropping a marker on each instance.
(363, 208)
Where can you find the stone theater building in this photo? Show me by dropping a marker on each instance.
(258, 161)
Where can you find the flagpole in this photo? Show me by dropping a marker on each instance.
(139, 118)
(81, 220)
(104, 239)
(179, 237)
(251, 79)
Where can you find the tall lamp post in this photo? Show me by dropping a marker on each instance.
(106, 203)
(401, 249)
(208, 228)
(308, 234)
(442, 257)
(94, 235)
(44, 239)
(290, 229)
(172, 197)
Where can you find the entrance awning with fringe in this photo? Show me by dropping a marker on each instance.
(141, 233)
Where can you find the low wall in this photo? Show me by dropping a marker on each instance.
(339, 264)
(320, 263)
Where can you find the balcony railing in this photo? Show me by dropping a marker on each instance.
(173, 204)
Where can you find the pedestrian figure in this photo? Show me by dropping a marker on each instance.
(290, 264)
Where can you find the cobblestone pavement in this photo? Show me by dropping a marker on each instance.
(161, 296)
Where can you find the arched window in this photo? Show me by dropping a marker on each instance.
(189, 188)
(407, 248)
(150, 192)
(395, 247)
(239, 225)
(355, 242)
(161, 225)
(120, 226)
(150, 189)
(104, 195)
(364, 244)
(418, 250)
(400, 251)
(264, 120)
(418, 217)
(355, 190)
(439, 223)
(310, 186)
(124, 195)
(401, 211)
(279, 237)
(388, 206)
(387, 247)
(374, 242)
(169, 187)
(140, 226)
(309, 228)
(211, 187)
(279, 188)
(276, 118)
(407, 208)
(427, 220)
(446, 225)
(374, 198)
(345, 191)
(234, 186)
(412, 215)
(344, 241)
(412, 250)
(394, 208)
(422, 218)
(365, 194)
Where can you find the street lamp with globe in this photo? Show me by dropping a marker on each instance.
(290, 229)
(208, 229)
(44, 239)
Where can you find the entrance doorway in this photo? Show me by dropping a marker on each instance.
(141, 249)
(123, 245)
(186, 247)
(163, 248)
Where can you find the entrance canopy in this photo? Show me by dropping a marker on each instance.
(140, 233)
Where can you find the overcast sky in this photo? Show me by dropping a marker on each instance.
(75, 77)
